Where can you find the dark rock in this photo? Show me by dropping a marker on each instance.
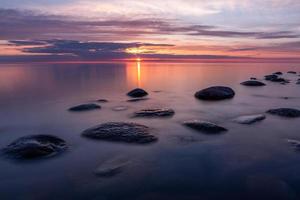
(85, 107)
(203, 126)
(155, 112)
(250, 119)
(285, 112)
(138, 92)
(137, 99)
(298, 82)
(120, 132)
(270, 77)
(253, 78)
(215, 93)
(278, 73)
(35, 146)
(102, 100)
(253, 83)
(292, 72)
(275, 78)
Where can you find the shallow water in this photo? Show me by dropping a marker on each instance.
(248, 162)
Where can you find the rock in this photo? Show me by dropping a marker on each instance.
(249, 119)
(294, 143)
(204, 126)
(137, 99)
(285, 112)
(138, 92)
(120, 132)
(35, 146)
(111, 167)
(270, 77)
(292, 72)
(155, 112)
(275, 78)
(215, 93)
(102, 100)
(298, 82)
(253, 78)
(85, 107)
(278, 73)
(253, 83)
(120, 108)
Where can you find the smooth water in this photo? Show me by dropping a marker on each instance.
(248, 162)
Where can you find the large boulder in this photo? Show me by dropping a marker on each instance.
(253, 83)
(249, 119)
(120, 132)
(215, 93)
(137, 92)
(155, 112)
(35, 146)
(85, 107)
(285, 112)
(204, 126)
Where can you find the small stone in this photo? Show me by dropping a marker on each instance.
(285, 112)
(253, 83)
(204, 126)
(102, 100)
(155, 112)
(253, 78)
(35, 146)
(215, 93)
(292, 72)
(121, 132)
(250, 119)
(138, 92)
(85, 107)
(278, 73)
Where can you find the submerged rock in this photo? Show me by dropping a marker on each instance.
(215, 93)
(249, 119)
(138, 92)
(285, 112)
(155, 112)
(270, 77)
(120, 108)
(253, 83)
(292, 72)
(102, 100)
(85, 107)
(278, 73)
(121, 132)
(112, 167)
(275, 78)
(294, 143)
(204, 126)
(298, 82)
(35, 146)
(137, 99)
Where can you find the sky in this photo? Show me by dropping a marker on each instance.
(96, 30)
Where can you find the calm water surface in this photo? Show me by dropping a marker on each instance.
(248, 162)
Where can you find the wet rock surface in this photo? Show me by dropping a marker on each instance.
(253, 83)
(215, 93)
(35, 146)
(155, 112)
(204, 126)
(285, 112)
(249, 119)
(138, 92)
(121, 132)
(85, 107)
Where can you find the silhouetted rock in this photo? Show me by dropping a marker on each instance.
(120, 132)
(253, 78)
(285, 112)
(137, 99)
(102, 100)
(292, 72)
(249, 119)
(275, 78)
(204, 126)
(278, 73)
(155, 112)
(35, 146)
(85, 107)
(138, 92)
(253, 83)
(215, 93)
